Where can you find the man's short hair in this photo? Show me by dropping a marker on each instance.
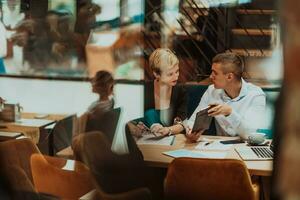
(161, 58)
(231, 63)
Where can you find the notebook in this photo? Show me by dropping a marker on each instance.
(9, 135)
(255, 152)
(213, 145)
(149, 139)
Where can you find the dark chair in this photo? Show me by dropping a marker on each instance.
(114, 174)
(194, 93)
(105, 122)
(61, 135)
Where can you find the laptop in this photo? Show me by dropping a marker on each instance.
(255, 152)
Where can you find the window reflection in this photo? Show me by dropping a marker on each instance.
(78, 38)
(55, 38)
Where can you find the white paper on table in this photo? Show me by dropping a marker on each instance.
(10, 134)
(146, 139)
(213, 145)
(70, 165)
(195, 154)
(34, 122)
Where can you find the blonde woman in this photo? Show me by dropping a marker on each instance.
(165, 101)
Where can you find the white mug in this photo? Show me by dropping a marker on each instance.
(256, 139)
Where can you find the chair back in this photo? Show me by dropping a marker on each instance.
(208, 179)
(61, 135)
(16, 169)
(18, 153)
(105, 122)
(51, 177)
(113, 173)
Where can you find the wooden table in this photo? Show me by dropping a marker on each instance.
(31, 131)
(153, 155)
(55, 117)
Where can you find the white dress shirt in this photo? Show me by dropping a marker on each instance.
(248, 110)
(3, 42)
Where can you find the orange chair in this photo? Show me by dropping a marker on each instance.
(51, 177)
(25, 180)
(15, 167)
(17, 153)
(209, 179)
(135, 194)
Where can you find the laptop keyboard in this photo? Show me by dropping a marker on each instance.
(262, 152)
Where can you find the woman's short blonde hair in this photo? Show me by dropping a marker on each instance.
(162, 58)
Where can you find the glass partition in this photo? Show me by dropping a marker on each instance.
(67, 38)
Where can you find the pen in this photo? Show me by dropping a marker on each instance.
(207, 143)
(172, 142)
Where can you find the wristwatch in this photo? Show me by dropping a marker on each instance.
(170, 132)
(180, 123)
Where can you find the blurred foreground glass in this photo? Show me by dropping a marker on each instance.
(58, 37)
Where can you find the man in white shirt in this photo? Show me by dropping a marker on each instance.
(239, 105)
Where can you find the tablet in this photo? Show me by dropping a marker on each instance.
(202, 121)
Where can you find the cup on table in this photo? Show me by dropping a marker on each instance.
(256, 139)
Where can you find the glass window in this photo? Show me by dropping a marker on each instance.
(109, 9)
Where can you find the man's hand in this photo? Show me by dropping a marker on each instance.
(219, 109)
(193, 136)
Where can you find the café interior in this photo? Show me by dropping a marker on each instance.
(52, 53)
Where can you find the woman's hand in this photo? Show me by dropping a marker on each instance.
(160, 129)
(143, 127)
(135, 130)
(156, 127)
(164, 131)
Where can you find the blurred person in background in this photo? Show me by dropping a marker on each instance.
(102, 85)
